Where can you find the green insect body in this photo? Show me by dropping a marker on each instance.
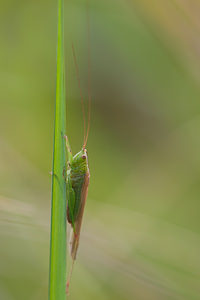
(75, 180)
(77, 187)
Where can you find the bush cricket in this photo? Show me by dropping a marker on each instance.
(77, 175)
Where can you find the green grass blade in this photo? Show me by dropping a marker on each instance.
(57, 269)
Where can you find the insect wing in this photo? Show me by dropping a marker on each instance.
(74, 240)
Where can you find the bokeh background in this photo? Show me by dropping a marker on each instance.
(141, 232)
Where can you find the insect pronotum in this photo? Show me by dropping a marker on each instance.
(78, 175)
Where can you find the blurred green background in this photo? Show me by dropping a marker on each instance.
(141, 231)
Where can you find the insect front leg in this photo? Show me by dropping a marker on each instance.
(69, 151)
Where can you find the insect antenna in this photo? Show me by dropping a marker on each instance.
(80, 90)
(89, 78)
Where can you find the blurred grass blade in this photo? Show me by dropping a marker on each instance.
(57, 270)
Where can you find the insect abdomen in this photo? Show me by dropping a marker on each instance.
(76, 183)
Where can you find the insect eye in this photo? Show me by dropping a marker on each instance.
(83, 156)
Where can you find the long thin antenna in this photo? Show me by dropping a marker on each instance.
(89, 77)
(81, 94)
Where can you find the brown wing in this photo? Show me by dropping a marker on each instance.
(74, 239)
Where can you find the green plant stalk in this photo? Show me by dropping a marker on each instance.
(57, 269)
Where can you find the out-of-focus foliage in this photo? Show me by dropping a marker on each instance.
(141, 233)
